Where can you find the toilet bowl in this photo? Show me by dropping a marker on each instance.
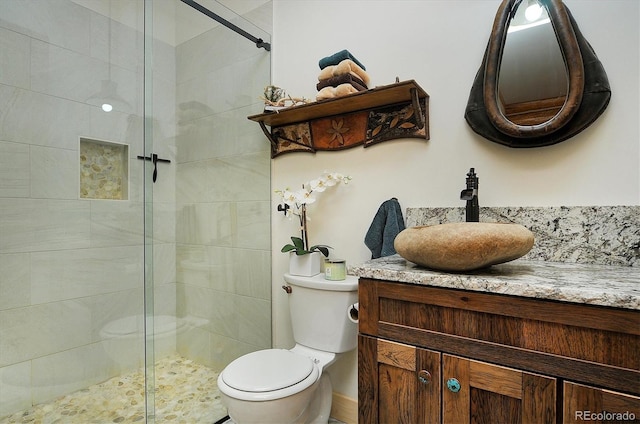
(276, 386)
(282, 386)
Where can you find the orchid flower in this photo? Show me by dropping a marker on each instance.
(319, 184)
(295, 202)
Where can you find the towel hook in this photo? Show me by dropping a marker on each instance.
(283, 208)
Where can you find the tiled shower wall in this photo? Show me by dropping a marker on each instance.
(223, 196)
(73, 267)
(69, 266)
(66, 262)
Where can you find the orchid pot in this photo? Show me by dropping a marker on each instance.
(304, 261)
(305, 265)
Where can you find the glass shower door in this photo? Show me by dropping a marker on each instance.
(71, 211)
(211, 202)
(121, 297)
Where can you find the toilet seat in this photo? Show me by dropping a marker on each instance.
(268, 374)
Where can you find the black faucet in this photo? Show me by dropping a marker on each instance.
(471, 196)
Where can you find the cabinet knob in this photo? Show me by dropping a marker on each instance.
(453, 385)
(424, 377)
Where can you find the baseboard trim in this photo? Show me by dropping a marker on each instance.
(344, 409)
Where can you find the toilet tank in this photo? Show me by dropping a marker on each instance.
(319, 312)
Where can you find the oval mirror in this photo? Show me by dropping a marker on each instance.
(532, 83)
(561, 99)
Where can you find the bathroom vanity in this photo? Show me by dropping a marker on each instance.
(525, 341)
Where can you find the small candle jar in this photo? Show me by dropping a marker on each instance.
(335, 269)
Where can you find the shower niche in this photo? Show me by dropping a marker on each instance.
(104, 170)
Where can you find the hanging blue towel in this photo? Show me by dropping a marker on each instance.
(384, 228)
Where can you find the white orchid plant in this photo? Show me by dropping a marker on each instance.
(294, 203)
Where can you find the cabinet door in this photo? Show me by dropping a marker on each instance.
(585, 403)
(478, 392)
(397, 383)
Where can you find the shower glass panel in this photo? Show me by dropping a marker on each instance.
(71, 209)
(211, 220)
(116, 291)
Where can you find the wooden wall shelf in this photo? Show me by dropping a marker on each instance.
(383, 113)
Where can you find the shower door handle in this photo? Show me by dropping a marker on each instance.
(155, 159)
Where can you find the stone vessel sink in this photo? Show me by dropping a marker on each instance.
(463, 246)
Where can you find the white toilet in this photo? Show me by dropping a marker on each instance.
(288, 386)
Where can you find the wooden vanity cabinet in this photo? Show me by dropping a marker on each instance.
(435, 355)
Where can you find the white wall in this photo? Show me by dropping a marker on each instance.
(440, 44)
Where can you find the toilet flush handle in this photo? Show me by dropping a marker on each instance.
(287, 289)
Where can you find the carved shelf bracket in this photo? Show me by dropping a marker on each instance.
(380, 114)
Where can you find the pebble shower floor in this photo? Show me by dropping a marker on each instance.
(186, 392)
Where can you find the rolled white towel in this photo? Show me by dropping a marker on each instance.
(347, 66)
(339, 91)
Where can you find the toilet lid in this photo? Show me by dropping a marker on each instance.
(267, 370)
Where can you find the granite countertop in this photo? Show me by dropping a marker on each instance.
(604, 285)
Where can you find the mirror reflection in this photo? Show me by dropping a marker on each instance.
(533, 78)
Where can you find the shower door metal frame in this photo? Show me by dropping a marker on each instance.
(148, 295)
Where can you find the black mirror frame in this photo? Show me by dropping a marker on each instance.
(588, 96)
